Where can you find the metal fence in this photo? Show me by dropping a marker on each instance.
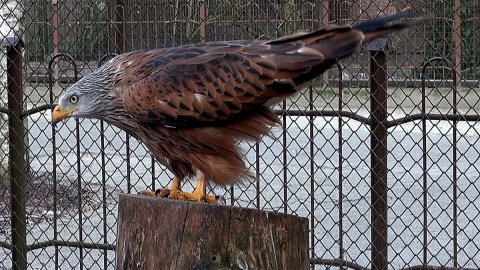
(380, 154)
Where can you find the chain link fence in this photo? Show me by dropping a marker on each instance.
(385, 179)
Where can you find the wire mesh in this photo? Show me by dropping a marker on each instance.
(317, 164)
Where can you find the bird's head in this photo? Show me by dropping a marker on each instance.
(90, 97)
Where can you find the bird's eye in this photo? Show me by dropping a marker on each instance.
(73, 99)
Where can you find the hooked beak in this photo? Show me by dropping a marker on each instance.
(58, 115)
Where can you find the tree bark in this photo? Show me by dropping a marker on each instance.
(155, 233)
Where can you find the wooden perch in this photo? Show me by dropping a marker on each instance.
(155, 233)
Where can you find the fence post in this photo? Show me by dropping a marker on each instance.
(56, 37)
(116, 12)
(17, 148)
(203, 20)
(378, 141)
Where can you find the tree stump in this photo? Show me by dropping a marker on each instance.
(155, 233)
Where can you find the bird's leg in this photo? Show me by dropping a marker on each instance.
(173, 191)
(200, 192)
(198, 195)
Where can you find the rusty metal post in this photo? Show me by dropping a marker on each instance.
(457, 38)
(326, 22)
(17, 151)
(116, 32)
(203, 18)
(121, 32)
(56, 36)
(378, 141)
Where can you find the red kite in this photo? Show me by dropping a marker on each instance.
(191, 104)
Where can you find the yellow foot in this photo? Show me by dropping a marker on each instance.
(164, 193)
(178, 194)
(199, 195)
(148, 193)
(195, 196)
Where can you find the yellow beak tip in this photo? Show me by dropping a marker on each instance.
(58, 114)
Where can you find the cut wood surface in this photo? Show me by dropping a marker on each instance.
(156, 233)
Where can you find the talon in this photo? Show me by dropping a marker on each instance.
(148, 193)
(171, 192)
(174, 192)
(164, 192)
(200, 192)
(198, 196)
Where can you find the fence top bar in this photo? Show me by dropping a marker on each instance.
(378, 44)
(13, 42)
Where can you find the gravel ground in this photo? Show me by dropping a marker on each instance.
(41, 201)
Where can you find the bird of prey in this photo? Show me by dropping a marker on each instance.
(190, 105)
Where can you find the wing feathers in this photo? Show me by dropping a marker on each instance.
(202, 83)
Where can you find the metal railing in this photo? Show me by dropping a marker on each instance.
(377, 122)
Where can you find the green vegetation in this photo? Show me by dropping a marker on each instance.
(441, 42)
(82, 29)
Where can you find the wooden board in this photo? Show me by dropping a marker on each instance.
(155, 233)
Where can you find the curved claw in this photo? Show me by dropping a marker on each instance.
(196, 196)
(148, 193)
(174, 192)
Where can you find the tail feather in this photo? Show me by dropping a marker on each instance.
(376, 24)
(375, 28)
(344, 41)
(332, 44)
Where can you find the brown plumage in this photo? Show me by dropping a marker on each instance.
(191, 104)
